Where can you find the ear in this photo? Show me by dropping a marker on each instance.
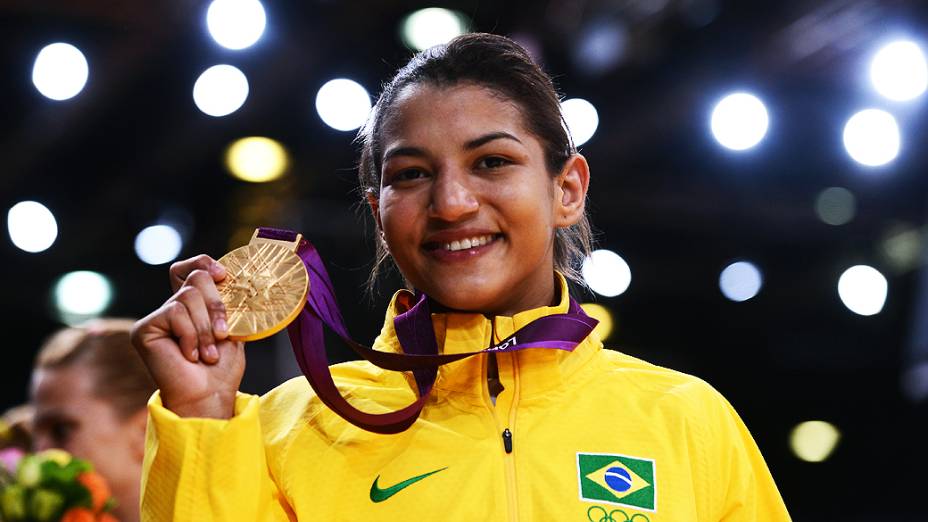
(374, 203)
(570, 191)
(136, 425)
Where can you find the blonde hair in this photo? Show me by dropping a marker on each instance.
(103, 347)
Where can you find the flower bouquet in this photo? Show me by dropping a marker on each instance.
(51, 486)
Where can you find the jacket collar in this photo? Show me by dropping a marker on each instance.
(531, 371)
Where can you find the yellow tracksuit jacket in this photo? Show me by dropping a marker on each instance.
(592, 435)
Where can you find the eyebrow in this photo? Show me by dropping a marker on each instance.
(470, 145)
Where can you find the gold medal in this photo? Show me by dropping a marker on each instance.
(265, 287)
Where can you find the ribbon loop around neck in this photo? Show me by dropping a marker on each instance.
(416, 336)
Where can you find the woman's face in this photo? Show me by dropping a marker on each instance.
(69, 416)
(467, 206)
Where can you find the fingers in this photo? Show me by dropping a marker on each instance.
(182, 269)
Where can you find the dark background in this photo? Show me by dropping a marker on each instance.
(132, 148)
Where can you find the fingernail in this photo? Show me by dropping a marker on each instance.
(212, 352)
(216, 269)
(221, 325)
(195, 354)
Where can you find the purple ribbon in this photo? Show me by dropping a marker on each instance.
(416, 336)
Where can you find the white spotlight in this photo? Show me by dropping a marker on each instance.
(871, 137)
(158, 244)
(863, 290)
(740, 281)
(32, 226)
(606, 273)
(60, 71)
(739, 121)
(432, 26)
(582, 119)
(343, 104)
(899, 72)
(236, 24)
(81, 295)
(220, 90)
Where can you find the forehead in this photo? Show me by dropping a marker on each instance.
(423, 111)
(55, 385)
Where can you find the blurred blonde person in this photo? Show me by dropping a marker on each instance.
(89, 390)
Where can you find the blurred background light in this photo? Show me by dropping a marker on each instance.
(582, 119)
(899, 72)
(871, 137)
(236, 24)
(601, 314)
(863, 290)
(82, 295)
(60, 71)
(606, 273)
(836, 206)
(432, 26)
(814, 441)
(600, 47)
(257, 159)
(740, 281)
(220, 90)
(739, 121)
(343, 104)
(32, 226)
(158, 244)
(901, 248)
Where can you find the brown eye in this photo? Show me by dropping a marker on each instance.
(492, 162)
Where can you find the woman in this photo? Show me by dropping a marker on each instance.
(89, 391)
(479, 199)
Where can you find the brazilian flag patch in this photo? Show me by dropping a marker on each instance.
(617, 479)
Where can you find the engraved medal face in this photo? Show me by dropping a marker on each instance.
(264, 289)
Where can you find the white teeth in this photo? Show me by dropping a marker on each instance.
(468, 243)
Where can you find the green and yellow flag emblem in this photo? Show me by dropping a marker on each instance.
(617, 479)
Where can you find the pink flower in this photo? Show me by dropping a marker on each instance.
(10, 457)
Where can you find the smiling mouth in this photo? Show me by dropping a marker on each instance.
(463, 244)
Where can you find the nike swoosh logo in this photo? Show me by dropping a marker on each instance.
(379, 495)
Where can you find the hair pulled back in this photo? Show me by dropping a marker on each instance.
(503, 66)
(103, 348)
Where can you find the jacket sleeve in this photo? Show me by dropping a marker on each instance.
(208, 469)
(742, 486)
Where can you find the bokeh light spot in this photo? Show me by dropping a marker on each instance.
(257, 159)
(836, 206)
(32, 227)
(343, 104)
(432, 26)
(814, 441)
(236, 24)
(606, 273)
(863, 290)
(220, 90)
(158, 244)
(739, 121)
(582, 119)
(60, 71)
(871, 137)
(899, 71)
(740, 281)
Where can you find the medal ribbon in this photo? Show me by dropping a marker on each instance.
(416, 336)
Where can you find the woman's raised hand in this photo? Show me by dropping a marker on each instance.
(185, 344)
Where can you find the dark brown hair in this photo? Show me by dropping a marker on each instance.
(119, 376)
(503, 66)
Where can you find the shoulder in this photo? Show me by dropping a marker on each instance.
(293, 406)
(663, 387)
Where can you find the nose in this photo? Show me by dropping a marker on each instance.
(452, 196)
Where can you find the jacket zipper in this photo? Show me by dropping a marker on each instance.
(511, 490)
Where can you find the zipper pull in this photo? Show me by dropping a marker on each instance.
(507, 440)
